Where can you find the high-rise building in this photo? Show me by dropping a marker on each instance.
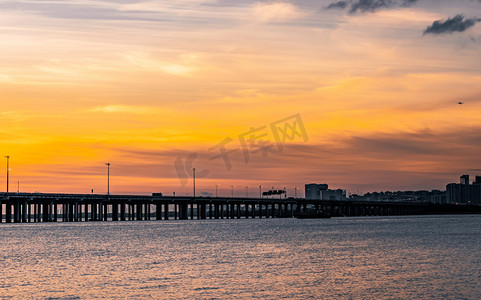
(463, 192)
(313, 190)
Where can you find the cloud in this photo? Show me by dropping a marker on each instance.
(182, 67)
(369, 5)
(120, 109)
(275, 12)
(455, 24)
(337, 5)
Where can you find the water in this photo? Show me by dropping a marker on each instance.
(427, 257)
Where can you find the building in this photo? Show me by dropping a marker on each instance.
(313, 190)
(316, 191)
(333, 195)
(464, 192)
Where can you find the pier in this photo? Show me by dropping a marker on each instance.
(41, 207)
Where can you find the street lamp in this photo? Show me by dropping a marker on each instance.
(216, 190)
(247, 191)
(295, 192)
(232, 191)
(260, 191)
(108, 178)
(8, 170)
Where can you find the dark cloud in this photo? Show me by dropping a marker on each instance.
(337, 5)
(355, 6)
(409, 2)
(370, 5)
(455, 24)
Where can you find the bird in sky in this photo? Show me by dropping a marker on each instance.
(460, 103)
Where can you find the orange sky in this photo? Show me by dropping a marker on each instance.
(144, 83)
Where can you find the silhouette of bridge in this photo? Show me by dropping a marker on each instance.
(43, 207)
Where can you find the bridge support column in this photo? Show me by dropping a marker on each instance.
(138, 212)
(122, 211)
(166, 211)
(183, 211)
(216, 211)
(23, 212)
(203, 213)
(115, 211)
(16, 212)
(93, 211)
(8, 212)
(158, 211)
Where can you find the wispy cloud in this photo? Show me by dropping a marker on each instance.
(369, 5)
(183, 67)
(455, 24)
(275, 11)
(120, 109)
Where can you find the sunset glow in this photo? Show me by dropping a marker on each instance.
(140, 84)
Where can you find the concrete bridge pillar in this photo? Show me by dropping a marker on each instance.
(138, 212)
(93, 212)
(183, 211)
(224, 211)
(216, 211)
(76, 211)
(23, 211)
(203, 211)
(232, 210)
(115, 211)
(158, 211)
(8, 212)
(16, 212)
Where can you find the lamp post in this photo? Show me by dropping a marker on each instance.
(260, 191)
(232, 191)
(8, 170)
(108, 178)
(295, 192)
(247, 191)
(216, 190)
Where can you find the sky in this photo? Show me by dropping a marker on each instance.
(359, 94)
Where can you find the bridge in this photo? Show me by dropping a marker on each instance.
(43, 207)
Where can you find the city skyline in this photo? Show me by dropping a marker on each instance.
(142, 85)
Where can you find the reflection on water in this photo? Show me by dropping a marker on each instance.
(395, 257)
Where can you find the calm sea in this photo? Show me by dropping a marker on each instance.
(426, 257)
